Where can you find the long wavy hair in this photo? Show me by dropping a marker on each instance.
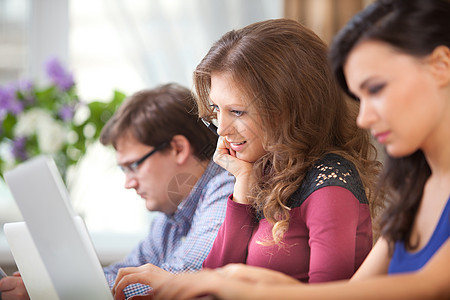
(416, 28)
(281, 69)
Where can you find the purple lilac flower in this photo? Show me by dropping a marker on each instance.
(16, 107)
(8, 101)
(58, 75)
(66, 113)
(5, 99)
(18, 149)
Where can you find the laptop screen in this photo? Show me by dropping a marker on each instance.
(70, 259)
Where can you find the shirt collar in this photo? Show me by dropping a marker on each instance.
(187, 207)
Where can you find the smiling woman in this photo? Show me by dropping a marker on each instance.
(287, 137)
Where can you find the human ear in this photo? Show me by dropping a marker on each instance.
(440, 65)
(181, 148)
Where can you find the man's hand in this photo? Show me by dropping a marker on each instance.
(13, 288)
(144, 274)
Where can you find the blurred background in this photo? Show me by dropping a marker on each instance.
(125, 46)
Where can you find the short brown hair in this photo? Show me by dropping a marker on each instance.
(154, 116)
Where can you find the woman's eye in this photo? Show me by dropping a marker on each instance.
(237, 113)
(214, 108)
(372, 90)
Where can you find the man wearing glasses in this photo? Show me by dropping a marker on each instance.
(165, 152)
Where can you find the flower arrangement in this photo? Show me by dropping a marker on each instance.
(49, 120)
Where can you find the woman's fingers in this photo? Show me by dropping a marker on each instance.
(226, 157)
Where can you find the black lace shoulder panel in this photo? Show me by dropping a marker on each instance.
(331, 170)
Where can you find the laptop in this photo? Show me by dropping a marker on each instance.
(52, 247)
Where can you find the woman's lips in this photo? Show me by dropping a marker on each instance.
(382, 136)
(237, 146)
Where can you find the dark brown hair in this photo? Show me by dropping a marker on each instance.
(154, 116)
(281, 68)
(413, 27)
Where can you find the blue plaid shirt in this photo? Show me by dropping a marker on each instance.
(182, 241)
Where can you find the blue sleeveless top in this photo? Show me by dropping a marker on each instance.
(403, 261)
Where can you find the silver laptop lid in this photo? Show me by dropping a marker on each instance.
(44, 203)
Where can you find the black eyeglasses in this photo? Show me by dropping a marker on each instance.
(133, 167)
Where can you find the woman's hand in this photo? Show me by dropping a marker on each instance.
(241, 170)
(222, 283)
(198, 285)
(145, 274)
(226, 158)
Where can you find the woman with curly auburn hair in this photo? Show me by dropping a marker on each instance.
(304, 171)
(299, 205)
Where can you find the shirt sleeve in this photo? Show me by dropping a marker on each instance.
(331, 215)
(207, 220)
(231, 244)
